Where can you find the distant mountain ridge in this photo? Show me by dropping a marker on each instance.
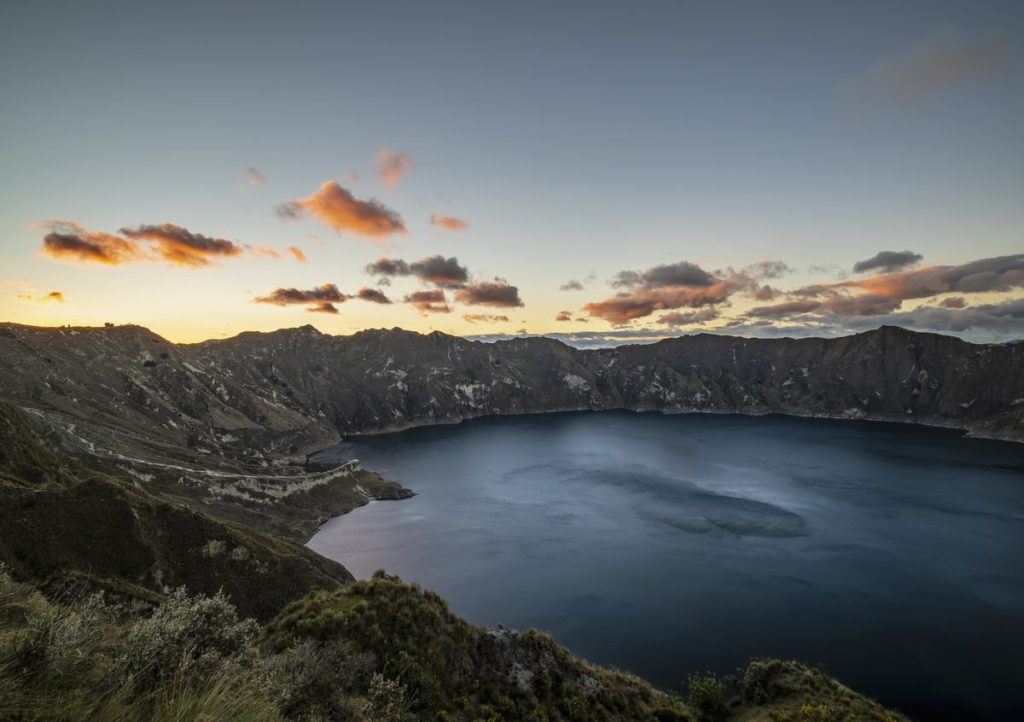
(258, 400)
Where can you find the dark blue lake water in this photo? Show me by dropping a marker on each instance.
(891, 555)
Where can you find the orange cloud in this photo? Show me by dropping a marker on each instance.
(484, 318)
(677, 285)
(68, 240)
(180, 246)
(449, 223)
(885, 293)
(564, 316)
(392, 165)
(51, 297)
(298, 254)
(323, 307)
(641, 302)
(265, 252)
(1002, 273)
(337, 208)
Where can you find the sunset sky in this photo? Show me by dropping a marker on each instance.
(603, 170)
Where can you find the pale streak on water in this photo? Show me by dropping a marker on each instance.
(890, 554)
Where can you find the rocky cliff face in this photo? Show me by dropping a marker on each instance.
(259, 401)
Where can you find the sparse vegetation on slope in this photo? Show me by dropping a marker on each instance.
(456, 670)
(377, 651)
(60, 524)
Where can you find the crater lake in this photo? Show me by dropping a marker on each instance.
(889, 554)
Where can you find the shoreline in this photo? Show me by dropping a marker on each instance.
(929, 422)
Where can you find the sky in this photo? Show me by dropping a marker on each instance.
(599, 171)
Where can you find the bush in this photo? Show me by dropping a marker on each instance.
(707, 696)
(314, 679)
(386, 701)
(185, 635)
(759, 684)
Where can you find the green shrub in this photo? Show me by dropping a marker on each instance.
(315, 679)
(386, 701)
(707, 696)
(185, 635)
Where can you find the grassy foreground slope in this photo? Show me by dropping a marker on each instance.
(373, 651)
(325, 647)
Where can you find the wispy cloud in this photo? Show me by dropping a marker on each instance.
(51, 297)
(484, 318)
(298, 254)
(1001, 273)
(392, 165)
(883, 294)
(689, 318)
(449, 223)
(940, 61)
(254, 177)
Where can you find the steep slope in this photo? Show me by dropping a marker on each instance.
(386, 380)
(134, 404)
(61, 521)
